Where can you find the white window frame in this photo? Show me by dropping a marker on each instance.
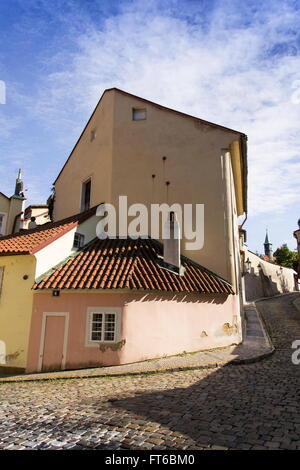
(89, 342)
(137, 110)
(3, 223)
(82, 238)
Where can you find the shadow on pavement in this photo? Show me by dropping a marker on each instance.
(236, 406)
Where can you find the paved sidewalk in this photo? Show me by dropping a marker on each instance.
(255, 346)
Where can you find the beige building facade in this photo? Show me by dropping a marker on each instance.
(155, 155)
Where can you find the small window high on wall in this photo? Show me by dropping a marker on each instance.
(139, 114)
(86, 195)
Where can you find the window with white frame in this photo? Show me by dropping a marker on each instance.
(104, 325)
(139, 114)
(78, 240)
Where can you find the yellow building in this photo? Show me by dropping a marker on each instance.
(17, 274)
(24, 257)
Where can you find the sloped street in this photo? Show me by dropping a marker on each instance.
(250, 406)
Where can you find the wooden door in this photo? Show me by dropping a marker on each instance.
(54, 342)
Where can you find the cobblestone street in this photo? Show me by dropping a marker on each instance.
(251, 406)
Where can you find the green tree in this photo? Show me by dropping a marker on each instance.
(285, 257)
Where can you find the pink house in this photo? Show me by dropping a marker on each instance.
(115, 303)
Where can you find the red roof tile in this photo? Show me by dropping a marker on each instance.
(130, 264)
(33, 240)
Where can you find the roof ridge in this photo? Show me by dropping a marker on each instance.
(209, 123)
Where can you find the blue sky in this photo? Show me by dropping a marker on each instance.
(236, 63)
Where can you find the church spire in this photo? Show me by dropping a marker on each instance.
(19, 185)
(268, 246)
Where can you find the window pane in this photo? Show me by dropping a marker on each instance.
(97, 317)
(86, 195)
(78, 240)
(109, 327)
(96, 327)
(138, 114)
(109, 317)
(96, 335)
(109, 336)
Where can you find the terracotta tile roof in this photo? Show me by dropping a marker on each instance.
(33, 240)
(130, 264)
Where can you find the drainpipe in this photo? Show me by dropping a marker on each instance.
(246, 217)
(228, 220)
(232, 261)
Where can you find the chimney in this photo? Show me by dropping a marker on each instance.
(171, 240)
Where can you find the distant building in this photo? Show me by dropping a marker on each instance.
(263, 277)
(268, 248)
(39, 211)
(11, 209)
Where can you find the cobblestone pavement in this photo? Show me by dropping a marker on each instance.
(251, 406)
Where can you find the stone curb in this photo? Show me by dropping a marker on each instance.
(265, 328)
(251, 360)
(209, 365)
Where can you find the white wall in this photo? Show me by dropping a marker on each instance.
(54, 253)
(61, 248)
(270, 281)
(88, 228)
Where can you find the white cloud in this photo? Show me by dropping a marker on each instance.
(236, 69)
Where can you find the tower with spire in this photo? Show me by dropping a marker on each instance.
(268, 247)
(19, 190)
(16, 210)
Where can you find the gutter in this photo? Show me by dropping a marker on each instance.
(229, 233)
(245, 173)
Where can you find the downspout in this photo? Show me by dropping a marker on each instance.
(228, 215)
(232, 267)
(246, 217)
(15, 221)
